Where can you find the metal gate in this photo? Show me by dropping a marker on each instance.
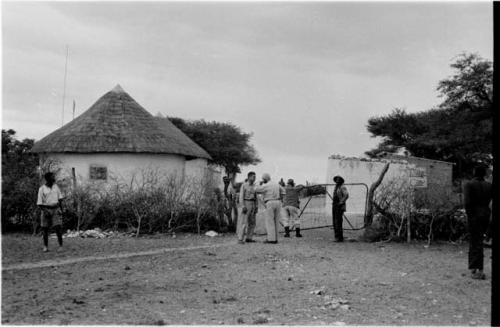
(329, 197)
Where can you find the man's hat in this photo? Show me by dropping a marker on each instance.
(338, 179)
(266, 176)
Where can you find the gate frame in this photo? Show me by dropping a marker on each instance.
(331, 197)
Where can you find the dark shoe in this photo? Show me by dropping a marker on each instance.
(287, 231)
(478, 275)
(297, 232)
(241, 242)
(337, 240)
(270, 242)
(249, 240)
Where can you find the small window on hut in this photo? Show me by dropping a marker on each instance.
(98, 173)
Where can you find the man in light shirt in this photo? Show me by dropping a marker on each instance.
(248, 201)
(272, 194)
(49, 201)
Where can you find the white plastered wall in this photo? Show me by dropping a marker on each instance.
(355, 170)
(121, 166)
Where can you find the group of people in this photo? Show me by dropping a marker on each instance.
(477, 195)
(277, 197)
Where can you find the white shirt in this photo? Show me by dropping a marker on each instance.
(49, 196)
(270, 191)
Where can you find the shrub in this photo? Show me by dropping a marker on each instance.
(434, 214)
(154, 202)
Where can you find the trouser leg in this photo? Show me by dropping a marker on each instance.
(489, 230)
(337, 223)
(58, 229)
(269, 222)
(286, 218)
(272, 220)
(45, 231)
(295, 217)
(251, 222)
(477, 228)
(277, 217)
(241, 226)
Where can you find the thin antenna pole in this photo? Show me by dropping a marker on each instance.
(64, 89)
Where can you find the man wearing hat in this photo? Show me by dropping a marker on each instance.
(272, 194)
(340, 196)
(292, 208)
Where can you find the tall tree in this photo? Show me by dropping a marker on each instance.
(459, 130)
(226, 143)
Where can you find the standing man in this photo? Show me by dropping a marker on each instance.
(50, 202)
(340, 196)
(272, 194)
(248, 200)
(291, 205)
(231, 209)
(477, 196)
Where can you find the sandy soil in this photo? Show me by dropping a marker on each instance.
(251, 283)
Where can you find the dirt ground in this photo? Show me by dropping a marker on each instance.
(243, 284)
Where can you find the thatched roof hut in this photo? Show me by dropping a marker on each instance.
(117, 123)
(116, 137)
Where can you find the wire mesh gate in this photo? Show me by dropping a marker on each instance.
(324, 209)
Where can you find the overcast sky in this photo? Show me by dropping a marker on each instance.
(302, 77)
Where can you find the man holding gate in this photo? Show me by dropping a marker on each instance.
(340, 196)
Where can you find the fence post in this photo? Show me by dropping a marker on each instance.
(73, 175)
(408, 230)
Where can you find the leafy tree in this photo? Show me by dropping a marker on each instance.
(459, 130)
(226, 143)
(20, 180)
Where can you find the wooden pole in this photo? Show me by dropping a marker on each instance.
(64, 88)
(73, 174)
(408, 230)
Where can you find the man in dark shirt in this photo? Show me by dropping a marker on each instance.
(291, 205)
(477, 196)
(340, 196)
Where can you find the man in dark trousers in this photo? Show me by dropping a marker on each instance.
(477, 196)
(340, 196)
(50, 202)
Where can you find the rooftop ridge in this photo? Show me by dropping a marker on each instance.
(117, 89)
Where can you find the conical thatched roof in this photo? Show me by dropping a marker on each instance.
(116, 123)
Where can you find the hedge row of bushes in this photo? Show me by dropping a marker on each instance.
(155, 204)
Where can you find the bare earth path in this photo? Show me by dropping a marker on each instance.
(61, 262)
(201, 280)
